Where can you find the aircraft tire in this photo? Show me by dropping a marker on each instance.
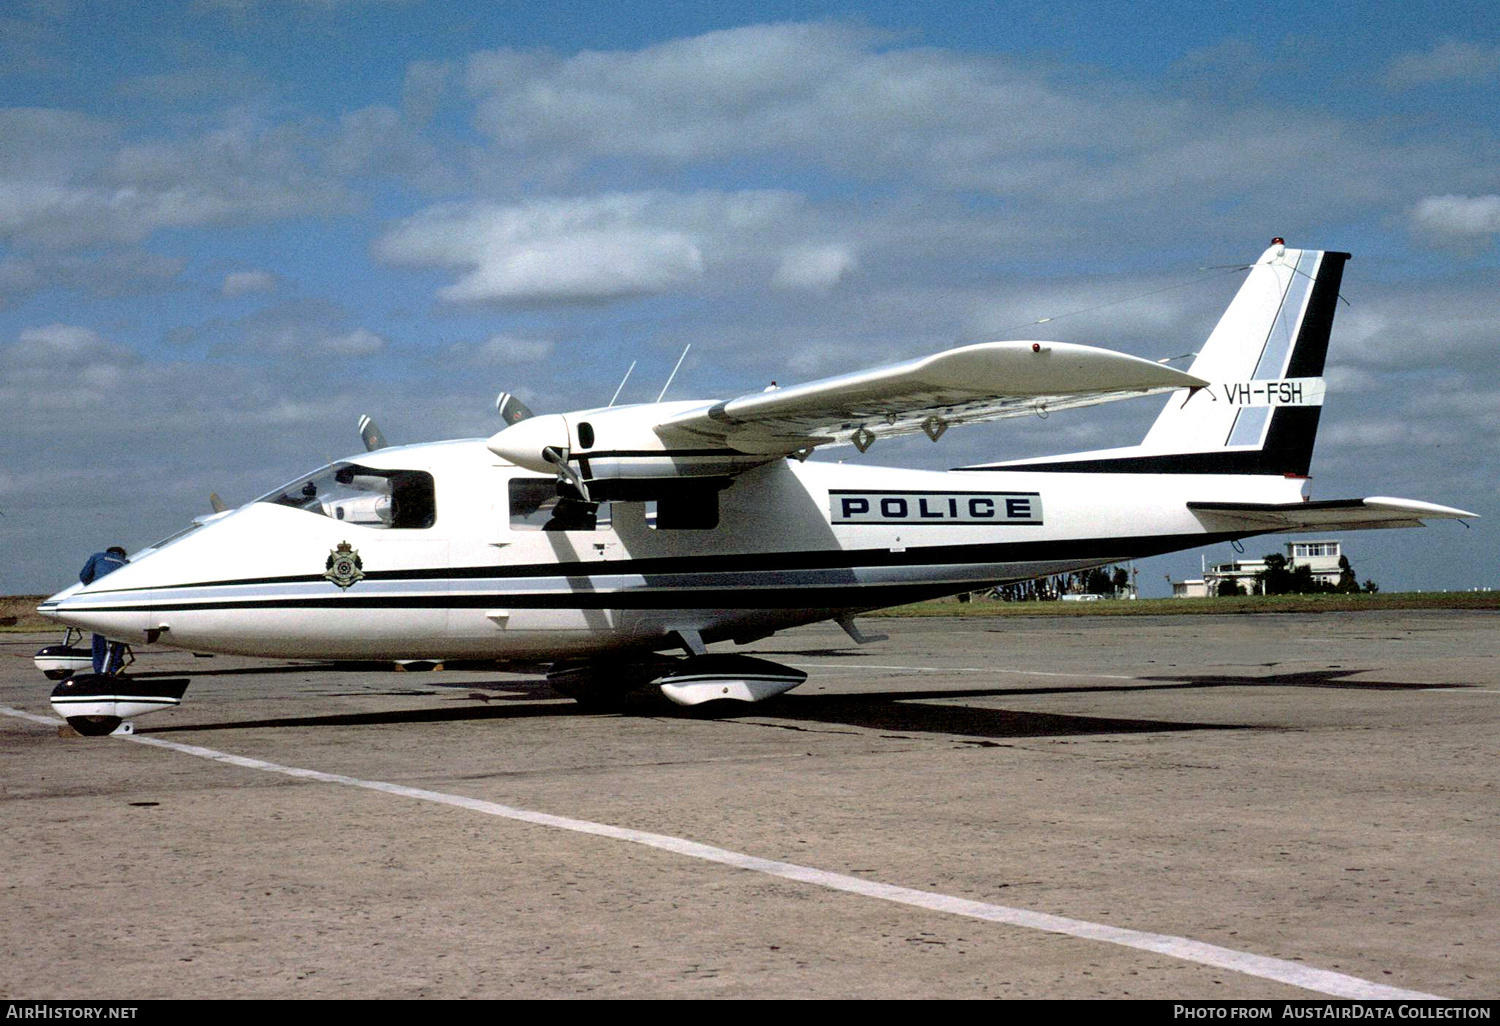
(94, 726)
(57, 674)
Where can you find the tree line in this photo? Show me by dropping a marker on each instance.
(1098, 581)
(1280, 577)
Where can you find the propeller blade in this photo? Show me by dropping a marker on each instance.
(511, 409)
(219, 505)
(370, 434)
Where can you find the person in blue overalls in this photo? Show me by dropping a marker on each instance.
(107, 654)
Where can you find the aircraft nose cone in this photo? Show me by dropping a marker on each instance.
(522, 443)
(117, 605)
(50, 604)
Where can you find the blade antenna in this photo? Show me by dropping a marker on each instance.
(674, 371)
(622, 384)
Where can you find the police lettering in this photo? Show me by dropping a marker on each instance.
(936, 508)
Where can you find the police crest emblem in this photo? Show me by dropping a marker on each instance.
(344, 565)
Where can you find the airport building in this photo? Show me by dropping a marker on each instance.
(1321, 557)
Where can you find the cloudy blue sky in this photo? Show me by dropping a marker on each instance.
(229, 227)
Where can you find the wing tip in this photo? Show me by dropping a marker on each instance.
(1420, 508)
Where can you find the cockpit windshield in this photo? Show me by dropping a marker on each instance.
(363, 495)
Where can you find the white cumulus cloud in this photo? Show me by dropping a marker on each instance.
(359, 342)
(513, 349)
(63, 344)
(815, 268)
(243, 283)
(77, 183)
(585, 249)
(1457, 217)
(1449, 60)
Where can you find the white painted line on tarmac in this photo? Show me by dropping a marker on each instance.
(50, 721)
(1320, 981)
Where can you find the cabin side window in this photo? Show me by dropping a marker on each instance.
(536, 506)
(366, 496)
(689, 511)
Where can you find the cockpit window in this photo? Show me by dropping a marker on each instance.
(363, 496)
(169, 539)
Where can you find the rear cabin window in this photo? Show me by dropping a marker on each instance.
(686, 512)
(535, 506)
(400, 499)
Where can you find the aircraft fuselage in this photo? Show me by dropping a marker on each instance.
(474, 572)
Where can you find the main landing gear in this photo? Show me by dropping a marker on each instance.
(95, 704)
(692, 681)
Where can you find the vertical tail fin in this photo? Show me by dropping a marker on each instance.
(1265, 359)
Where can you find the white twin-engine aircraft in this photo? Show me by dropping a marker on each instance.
(606, 541)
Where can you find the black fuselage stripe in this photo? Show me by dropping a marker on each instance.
(608, 454)
(1216, 461)
(775, 562)
(728, 598)
(731, 596)
(919, 491)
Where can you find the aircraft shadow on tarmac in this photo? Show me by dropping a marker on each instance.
(886, 713)
(1334, 677)
(342, 667)
(917, 711)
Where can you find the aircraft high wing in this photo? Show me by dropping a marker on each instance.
(968, 385)
(606, 541)
(608, 449)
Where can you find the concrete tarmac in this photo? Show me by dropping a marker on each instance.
(1316, 789)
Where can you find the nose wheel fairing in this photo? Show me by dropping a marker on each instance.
(95, 704)
(59, 662)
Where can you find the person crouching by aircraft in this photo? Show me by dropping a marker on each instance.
(107, 654)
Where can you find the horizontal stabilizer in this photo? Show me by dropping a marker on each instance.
(1329, 515)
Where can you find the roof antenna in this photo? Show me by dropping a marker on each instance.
(674, 371)
(622, 384)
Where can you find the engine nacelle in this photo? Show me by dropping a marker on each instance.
(618, 453)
